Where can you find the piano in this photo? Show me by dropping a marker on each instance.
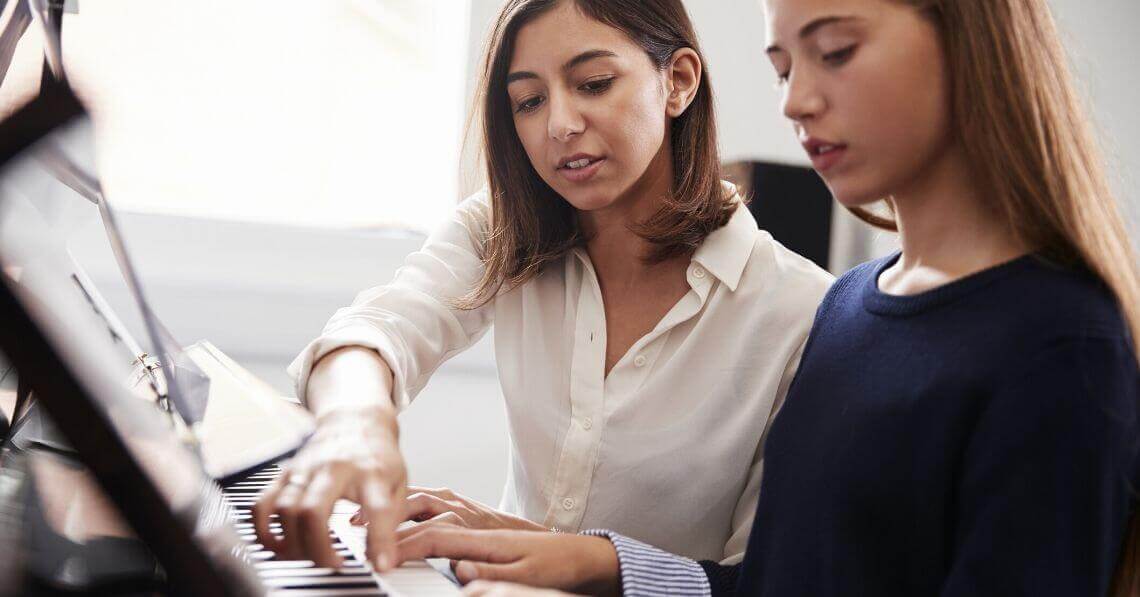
(100, 490)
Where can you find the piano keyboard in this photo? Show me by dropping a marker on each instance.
(303, 578)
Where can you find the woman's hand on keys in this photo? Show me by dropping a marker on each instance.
(353, 454)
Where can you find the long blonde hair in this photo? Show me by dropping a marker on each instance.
(1016, 109)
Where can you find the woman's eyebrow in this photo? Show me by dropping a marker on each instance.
(578, 60)
(815, 25)
(586, 56)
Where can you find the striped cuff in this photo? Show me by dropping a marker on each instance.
(646, 570)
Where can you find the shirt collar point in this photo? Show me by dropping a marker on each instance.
(725, 252)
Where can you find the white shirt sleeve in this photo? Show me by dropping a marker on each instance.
(412, 321)
(745, 511)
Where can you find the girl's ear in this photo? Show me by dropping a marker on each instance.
(683, 82)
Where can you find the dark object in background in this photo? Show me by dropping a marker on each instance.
(790, 202)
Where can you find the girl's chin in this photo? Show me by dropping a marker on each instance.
(860, 202)
(852, 196)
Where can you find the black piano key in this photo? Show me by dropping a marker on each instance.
(338, 581)
(292, 578)
(249, 525)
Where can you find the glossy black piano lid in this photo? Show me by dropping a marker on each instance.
(58, 346)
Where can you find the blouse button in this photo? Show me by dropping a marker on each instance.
(699, 273)
(587, 424)
(568, 504)
(639, 361)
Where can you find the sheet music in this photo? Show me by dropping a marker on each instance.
(47, 14)
(114, 325)
(13, 30)
(246, 422)
(187, 386)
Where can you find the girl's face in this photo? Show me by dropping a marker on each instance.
(589, 107)
(865, 85)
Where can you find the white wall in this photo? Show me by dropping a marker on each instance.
(1101, 38)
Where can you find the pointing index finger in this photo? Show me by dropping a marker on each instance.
(382, 504)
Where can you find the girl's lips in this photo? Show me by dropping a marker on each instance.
(582, 174)
(826, 160)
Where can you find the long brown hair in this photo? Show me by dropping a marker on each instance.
(531, 225)
(1016, 109)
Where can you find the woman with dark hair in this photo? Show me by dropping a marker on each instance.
(966, 417)
(645, 329)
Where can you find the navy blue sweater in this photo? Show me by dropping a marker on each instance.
(977, 439)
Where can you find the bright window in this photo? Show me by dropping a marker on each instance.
(320, 112)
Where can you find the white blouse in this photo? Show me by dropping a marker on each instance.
(667, 448)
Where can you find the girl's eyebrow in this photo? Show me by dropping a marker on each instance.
(815, 25)
(586, 56)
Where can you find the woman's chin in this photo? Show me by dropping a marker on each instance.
(589, 201)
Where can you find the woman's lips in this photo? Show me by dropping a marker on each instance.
(582, 174)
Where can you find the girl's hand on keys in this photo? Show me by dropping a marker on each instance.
(426, 507)
(576, 563)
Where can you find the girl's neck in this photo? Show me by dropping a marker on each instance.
(949, 228)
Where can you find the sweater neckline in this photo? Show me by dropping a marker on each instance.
(879, 302)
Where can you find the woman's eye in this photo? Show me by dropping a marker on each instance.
(597, 86)
(782, 78)
(529, 105)
(839, 57)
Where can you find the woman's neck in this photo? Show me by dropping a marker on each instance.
(615, 249)
(949, 228)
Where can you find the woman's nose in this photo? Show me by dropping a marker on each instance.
(565, 119)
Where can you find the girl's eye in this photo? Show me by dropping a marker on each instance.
(839, 57)
(782, 78)
(529, 105)
(597, 86)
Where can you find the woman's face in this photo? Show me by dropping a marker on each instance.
(589, 108)
(865, 85)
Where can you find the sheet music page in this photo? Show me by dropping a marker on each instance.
(246, 423)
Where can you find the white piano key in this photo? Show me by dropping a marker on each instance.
(355, 592)
(278, 564)
(309, 572)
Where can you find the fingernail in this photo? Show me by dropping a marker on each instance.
(383, 562)
(466, 571)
